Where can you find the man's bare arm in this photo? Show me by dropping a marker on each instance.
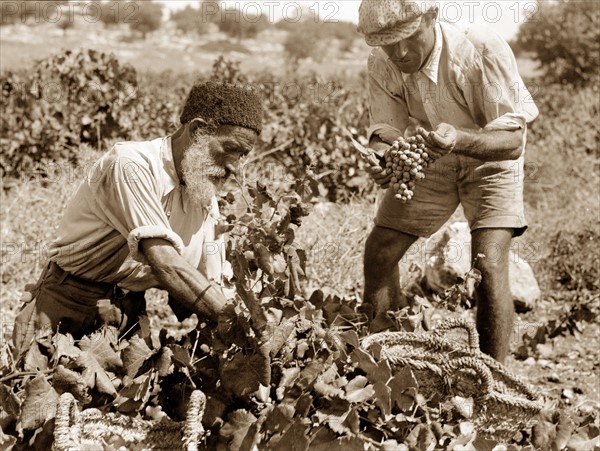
(183, 282)
(490, 145)
(485, 145)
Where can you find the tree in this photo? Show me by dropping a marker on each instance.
(187, 20)
(239, 24)
(147, 18)
(311, 37)
(564, 36)
(109, 13)
(210, 11)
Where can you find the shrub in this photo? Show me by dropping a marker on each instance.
(147, 18)
(69, 99)
(189, 20)
(565, 38)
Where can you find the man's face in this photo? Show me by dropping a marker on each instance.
(211, 159)
(410, 54)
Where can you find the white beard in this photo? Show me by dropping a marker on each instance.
(203, 177)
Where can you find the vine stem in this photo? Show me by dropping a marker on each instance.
(24, 373)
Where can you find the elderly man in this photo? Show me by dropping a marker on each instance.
(461, 92)
(145, 217)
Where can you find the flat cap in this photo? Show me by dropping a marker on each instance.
(224, 104)
(384, 22)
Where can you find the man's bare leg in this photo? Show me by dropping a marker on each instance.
(383, 250)
(495, 309)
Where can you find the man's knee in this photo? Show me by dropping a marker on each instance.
(386, 246)
(490, 249)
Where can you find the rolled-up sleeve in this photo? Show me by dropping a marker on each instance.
(128, 199)
(388, 112)
(499, 99)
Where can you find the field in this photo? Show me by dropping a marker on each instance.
(554, 346)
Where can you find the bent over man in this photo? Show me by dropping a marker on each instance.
(461, 92)
(144, 217)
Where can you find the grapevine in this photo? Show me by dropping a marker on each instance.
(406, 160)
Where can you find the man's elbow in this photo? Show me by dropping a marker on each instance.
(517, 145)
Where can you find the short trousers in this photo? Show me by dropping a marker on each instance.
(64, 303)
(491, 194)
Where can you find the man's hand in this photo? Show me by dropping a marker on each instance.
(378, 171)
(441, 141)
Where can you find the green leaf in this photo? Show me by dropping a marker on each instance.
(65, 380)
(358, 391)
(99, 346)
(10, 402)
(364, 361)
(6, 441)
(34, 359)
(294, 439)
(422, 438)
(236, 428)
(134, 355)
(39, 404)
(64, 346)
(383, 398)
(243, 374)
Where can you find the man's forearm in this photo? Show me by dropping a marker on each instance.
(192, 289)
(489, 145)
(183, 282)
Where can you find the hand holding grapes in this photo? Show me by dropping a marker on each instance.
(377, 170)
(441, 141)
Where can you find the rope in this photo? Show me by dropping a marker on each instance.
(502, 401)
(93, 427)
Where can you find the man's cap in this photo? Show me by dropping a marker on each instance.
(384, 22)
(224, 104)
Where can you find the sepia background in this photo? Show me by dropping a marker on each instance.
(78, 76)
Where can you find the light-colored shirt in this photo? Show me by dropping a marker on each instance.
(132, 193)
(470, 81)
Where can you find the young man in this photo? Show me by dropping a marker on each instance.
(462, 93)
(144, 217)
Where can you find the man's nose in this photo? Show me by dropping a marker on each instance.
(401, 50)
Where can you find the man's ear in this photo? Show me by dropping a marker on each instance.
(195, 124)
(434, 14)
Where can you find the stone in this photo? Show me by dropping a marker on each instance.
(449, 262)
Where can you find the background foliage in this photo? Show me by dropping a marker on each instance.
(565, 38)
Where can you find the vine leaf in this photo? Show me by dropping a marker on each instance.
(236, 428)
(11, 404)
(134, 355)
(66, 380)
(34, 359)
(96, 358)
(64, 346)
(6, 441)
(358, 391)
(244, 374)
(39, 404)
(294, 439)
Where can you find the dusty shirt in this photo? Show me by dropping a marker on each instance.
(133, 192)
(469, 81)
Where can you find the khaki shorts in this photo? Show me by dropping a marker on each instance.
(491, 194)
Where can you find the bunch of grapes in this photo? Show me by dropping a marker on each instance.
(406, 160)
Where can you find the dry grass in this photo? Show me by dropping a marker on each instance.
(333, 237)
(31, 211)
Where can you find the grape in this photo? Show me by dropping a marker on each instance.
(405, 161)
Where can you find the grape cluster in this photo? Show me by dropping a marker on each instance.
(406, 160)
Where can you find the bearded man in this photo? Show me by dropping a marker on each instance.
(145, 217)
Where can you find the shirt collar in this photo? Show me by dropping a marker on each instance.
(431, 67)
